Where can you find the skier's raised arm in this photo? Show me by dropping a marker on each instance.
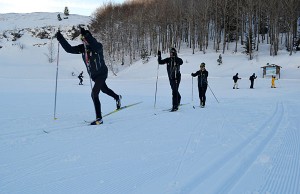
(195, 74)
(162, 61)
(67, 47)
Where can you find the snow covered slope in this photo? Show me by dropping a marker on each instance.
(14, 21)
(246, 143)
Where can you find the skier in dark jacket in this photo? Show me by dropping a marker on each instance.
(92, 55)
(202, 83)
(80, 76)
(252, 78)
(173, 68)
(219, 60)
(235, 80)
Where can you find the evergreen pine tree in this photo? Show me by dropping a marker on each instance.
(249, 43)
(297, 44)
(144, 55)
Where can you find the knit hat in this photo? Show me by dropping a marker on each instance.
(173, 50)
(202, 65)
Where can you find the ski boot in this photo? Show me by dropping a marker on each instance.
(118, 102)
(174, 109)
(98, 121)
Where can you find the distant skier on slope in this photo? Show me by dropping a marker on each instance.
(235, 81)
(219, 60)
(273, 81)
(80, 77)
(252, 78)
(202, 83)
(173, 68)
(92, 55)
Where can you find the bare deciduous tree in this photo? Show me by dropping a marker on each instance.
(129, 28)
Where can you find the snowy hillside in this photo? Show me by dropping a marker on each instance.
(246, 142)
(28, 36)
(14, 21)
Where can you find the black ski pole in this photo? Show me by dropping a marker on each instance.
(213, 93)
(57, 61)
(156, 85)
(193, 92)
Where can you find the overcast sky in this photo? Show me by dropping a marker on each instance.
(81, 7)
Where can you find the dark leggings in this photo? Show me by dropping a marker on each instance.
(252, 82)
(100, 85)
(176, 97)
(202, 91)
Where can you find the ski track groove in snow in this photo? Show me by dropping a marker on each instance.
(192, 134)
(250, 148)
(283, 177)
(271, 130)
(192, 143)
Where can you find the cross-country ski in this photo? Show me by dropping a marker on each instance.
(117, 110)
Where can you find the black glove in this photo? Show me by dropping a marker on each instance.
(159, 53)
(192, 74)
(83, 31)
(58, 35)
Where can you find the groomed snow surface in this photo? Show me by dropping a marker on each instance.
(247, 143)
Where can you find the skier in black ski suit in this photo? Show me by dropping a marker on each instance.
(202, 83)
(252, 78)
(235, 80)
(173, 68)
(92, 55)
(80, 76)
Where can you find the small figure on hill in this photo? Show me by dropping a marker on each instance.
(58, 17)
(66, 11)
(80, 76)
(252, 78)
(202, 83)
(173, 68)
(219, 60)
(235, 81)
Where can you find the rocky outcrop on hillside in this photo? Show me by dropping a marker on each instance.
(41, 26)
(46, 32)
